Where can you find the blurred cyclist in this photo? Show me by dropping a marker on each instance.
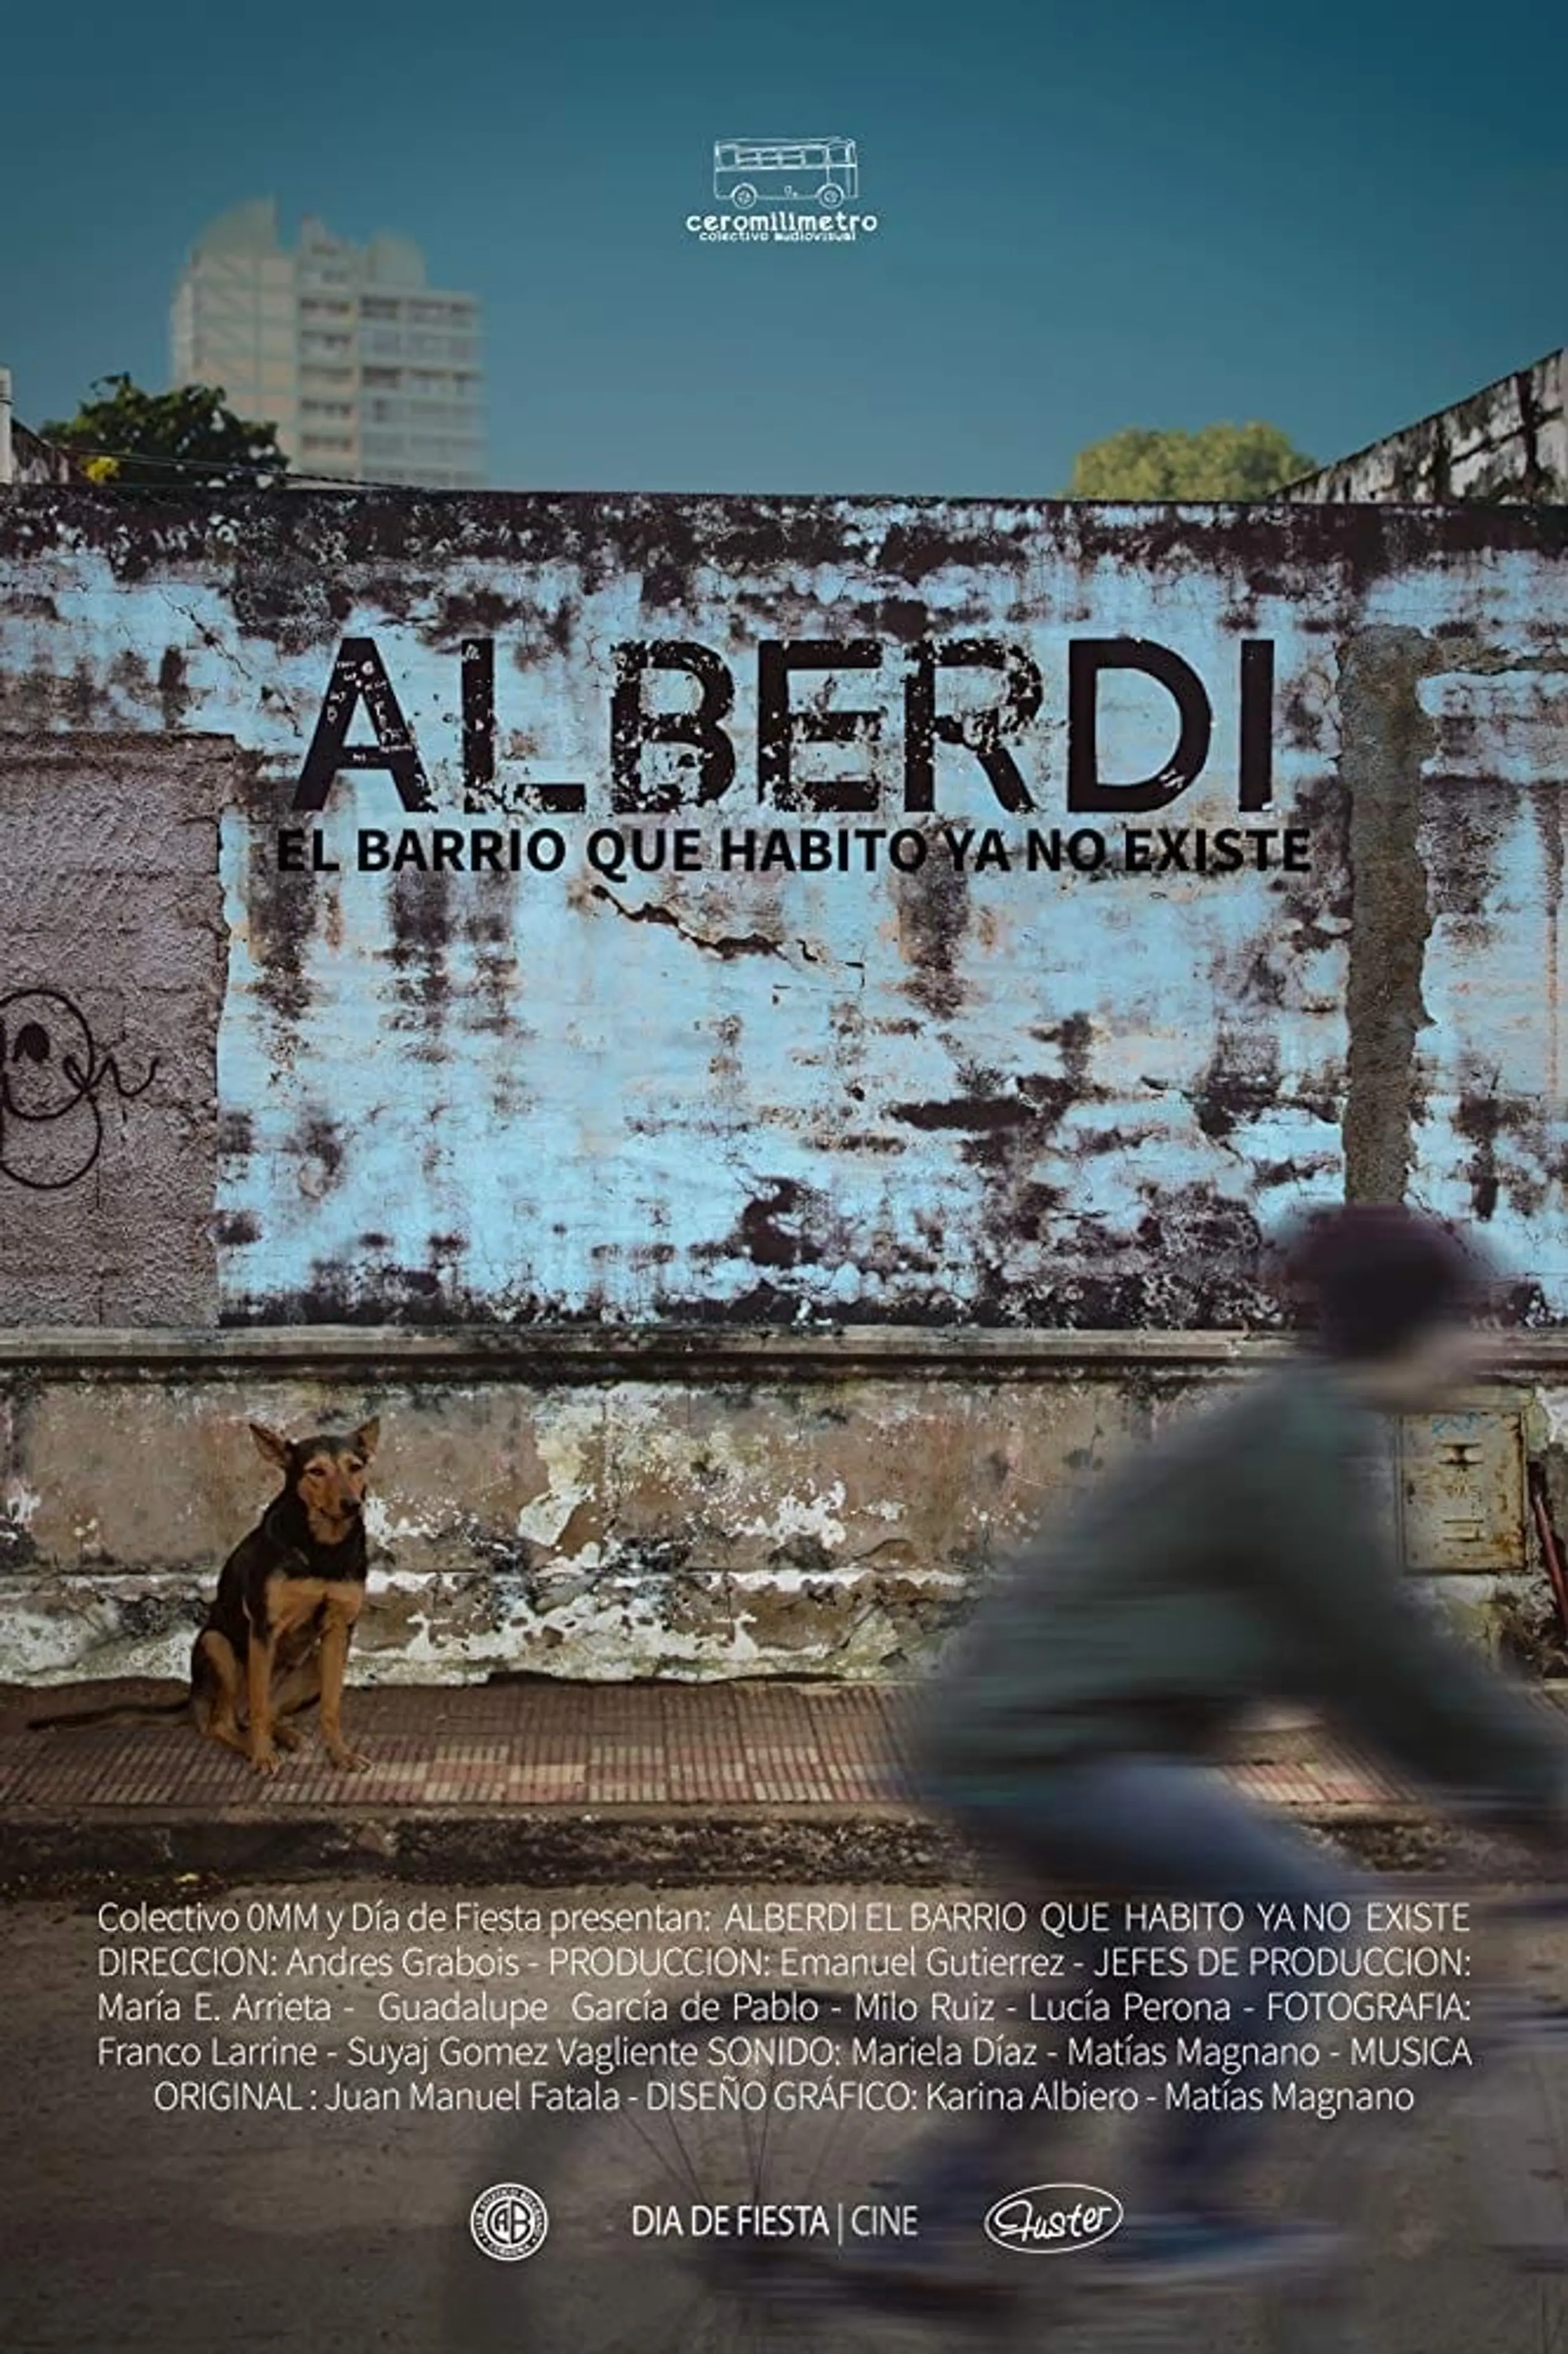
(1235, 1558)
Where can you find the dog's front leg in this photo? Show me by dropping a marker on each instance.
(258, 1693)
(335, 1662)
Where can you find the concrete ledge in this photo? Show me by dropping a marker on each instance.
(556, 1352)
(542, 1847)
(49, 1854)
(593, 1351)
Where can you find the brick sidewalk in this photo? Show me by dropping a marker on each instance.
(558, 1747)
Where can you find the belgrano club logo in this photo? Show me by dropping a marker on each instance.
(760, 182)
(509, 2221)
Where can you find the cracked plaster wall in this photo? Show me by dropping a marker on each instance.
(968, 1102)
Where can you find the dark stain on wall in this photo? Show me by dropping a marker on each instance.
(907, 619)
(1463, 842)
(493, 932)
(419, 910)
(1314, 910)
(298, 557)
(1516, 1155)
(983, 1114)
(1479, 1119)
(915, 551)
(1226, 1099)
(475, 612)
(934, 912)
(290, 591)
(1386, 735)
(765, 1234)
(174, 696)
(318, 1150)
(284, 909)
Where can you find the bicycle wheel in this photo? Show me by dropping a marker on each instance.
(1456, 2220)
(622, 2267)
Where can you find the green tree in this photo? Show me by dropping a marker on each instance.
(185, 440)
(1222, 462)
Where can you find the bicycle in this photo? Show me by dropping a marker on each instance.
(619, 2180)
(1470, 2212)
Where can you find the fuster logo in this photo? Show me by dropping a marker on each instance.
(1054, 2219)
(509, 2221)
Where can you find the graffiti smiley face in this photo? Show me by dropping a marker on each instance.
(51, 1130)
(46, 1054)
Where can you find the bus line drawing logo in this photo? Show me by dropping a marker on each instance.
(800, 170)
(756, 179)
(509, 2221)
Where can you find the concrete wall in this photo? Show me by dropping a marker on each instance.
(111, 992)
(560, 1116)
(794, 1509)
(571, 1505)
(35, 462)
(964, 1093)
(1505, 443)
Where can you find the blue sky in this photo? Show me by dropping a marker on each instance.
(1337, 217)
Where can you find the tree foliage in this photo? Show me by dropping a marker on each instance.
(185, 440)
(1221, 462)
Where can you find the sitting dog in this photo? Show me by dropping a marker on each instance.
(277, 1635)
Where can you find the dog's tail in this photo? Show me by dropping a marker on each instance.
(125, 1712)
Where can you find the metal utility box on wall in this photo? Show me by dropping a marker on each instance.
(1459, 1492)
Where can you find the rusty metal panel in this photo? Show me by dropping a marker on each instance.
(1462, 1502)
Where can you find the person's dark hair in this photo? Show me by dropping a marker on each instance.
(1373, 1278)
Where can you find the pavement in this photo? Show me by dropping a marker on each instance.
(548, 1782)
(335, 2220)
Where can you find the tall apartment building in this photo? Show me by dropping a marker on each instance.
(368, 374)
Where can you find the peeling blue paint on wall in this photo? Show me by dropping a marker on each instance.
(943, 1096)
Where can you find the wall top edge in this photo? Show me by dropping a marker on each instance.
(75, 512)
(562, 1351)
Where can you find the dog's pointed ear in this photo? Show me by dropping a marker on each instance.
(268, 1443)
(366, 1437)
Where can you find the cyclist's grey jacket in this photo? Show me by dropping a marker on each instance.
(1238, 1559)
